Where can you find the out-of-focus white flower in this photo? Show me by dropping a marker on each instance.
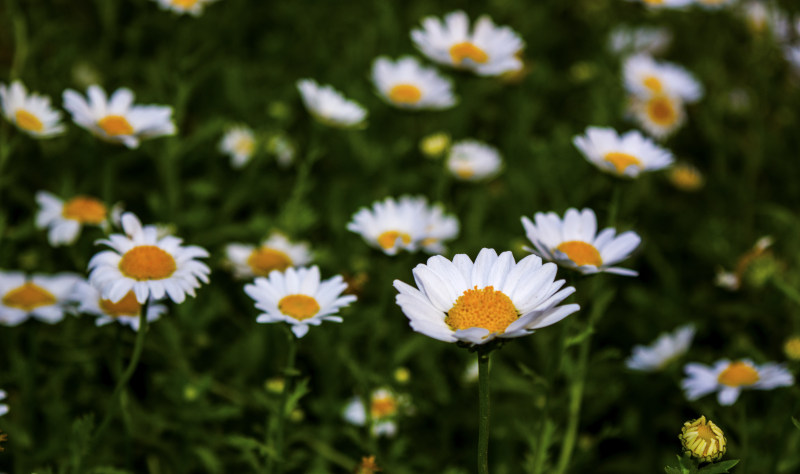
(239, 143)
(329, 106)
(407, 84)
(384, 409)
(125, 311)
(43, 297)
(627, 155)
(728, 379)
(645, 39)
(277, 252)
(656, 4)
(471, 160)
(660, 115)
(282, 147)
(713, 4)
(665, 349)
(646, 77)
(762, 18)
(31, 113)
(184, 7)
(64, 219)
(3, 406)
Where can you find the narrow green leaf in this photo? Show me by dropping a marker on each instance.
(719, 468)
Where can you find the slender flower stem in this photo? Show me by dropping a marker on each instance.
(483, 412)
(576, 396)
(277, 432)
(613, 207)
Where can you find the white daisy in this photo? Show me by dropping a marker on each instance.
(64, 219)
(239, 143)
(117, 120)
(645, 77)
(191, 7)
(329, 106)
(384, 408)
(645, 39)
(43, 297)
(665, 349)
(471, 160)
(148, 265)
(31, 113)
(409, 85)
(762, 18)
(439, 228)
(282, 147)
(126, 311)
(3, 406)
(575, 243)
(656, 4)
(478, 302)
(298, 297)
(660, 115)
(626, 155)
(487, 50)
(275, 253)
(792, 55)
(393, 225)
(730, 378)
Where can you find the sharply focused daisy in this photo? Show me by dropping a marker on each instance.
(125, 311)
(117, 120)
(622, 155)
(487, 50)
(575, 243)
(239, 143)
(298, 297)
(665, 349)
(384, 408)
(276, 253)
(471, 160)
(329, 106)
(148, 265)
(31, 113)
(645, 39)
(645, 77)
(191, 7)
(729, 378)
(476, 302)
(407, 84)
(659, 115)
(43, 297)
(64, 219)
(392, 225)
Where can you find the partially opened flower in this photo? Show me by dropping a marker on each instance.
(486, 50)
(329, 106)
(645, 77)
(182, 7)
(64, 219)
(117, 120)
(665, 349)
(407, 84)
(43, 297)
(385, 407)
(703, 440)
(150, 266)
(626, 155)
(31, 113)
(239, 143)
(471, 160)
(299, 298)
(660, 115)
(729, 378)
(125, 311)
(476, 302)
(276, 253)
(575, 243)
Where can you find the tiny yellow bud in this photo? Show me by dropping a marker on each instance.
(685, 177)
(275, 385)
(190, 393)
(402, 375)
(434, 146)
(792, 348)
(703, 440)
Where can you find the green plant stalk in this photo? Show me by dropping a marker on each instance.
(613, 207)
(483, 412)
(576, 396)
(276, 434)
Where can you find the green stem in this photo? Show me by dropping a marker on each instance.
(277, 432)
(483, 412)
(20, 39)
(576, 395)
(613, 207)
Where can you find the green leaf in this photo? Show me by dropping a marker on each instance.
(719, 468)
(796, 422)
(81, 435)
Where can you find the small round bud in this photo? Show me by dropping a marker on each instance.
(703, 440)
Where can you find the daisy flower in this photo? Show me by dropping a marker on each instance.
(665, 349)
(384, 408)
(728, 379)
(239, 143)
(329, 106)
(125, 311)
(409, 85)
(392, 225)
(645, 77)
(275, 253)
(471, 160)
(660, 114)
(656, 4)
(31, 113)
(625, 156)
(575, 243)
(117, 120)
(191, 7)
(645, 39)
(477, 302)
(3, 406)
(439, 227)
(43, 297)
(761, 18)
(703, 440)
(64, 219)
(298, 297)
(148, 265)
(487, 50)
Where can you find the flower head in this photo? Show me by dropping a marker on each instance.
(713, 4)
(276, 253)
(657, 4)
(125, 311)
(792, 348)
(626, 155)
(660, 115)
(645, 77)
(385, 407)
(43, 297)
(329, 106)
(685, 177)
(703, 440)
(471, 160)
(184, 7)
(730, 378)
(665, 349)
(31, 113)
(433, 146)
(239, 143)
(3, 406)
(407, 84)
(64, 219)
(650, 40)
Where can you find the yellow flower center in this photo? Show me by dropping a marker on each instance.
(85, 210)
(127, 306)
(383, 407)
(27, 121)
(581, 253)
(662, 111)
(465, 172)
(389, 238)
(263, 260)
(466, 50)
(485, 308)
(621, 161)
(29, 296)
(184, 3)
(405, 94)
(299, 307)
(654, 2)
(147, 262)
(244, 146)
(653, 83)
(115, 125)
(738, 374)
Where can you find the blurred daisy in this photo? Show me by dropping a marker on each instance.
(31, 113)
(298, 297)
(471, 160)
(440, 227)
(575, 243)
(660, 115)
(329, 106)
(117, 120)
(626, 155)
(150, 266)
(407, 84)
(685, 177)
(487, 50)
(665, 3)
(275, 253)
(125, 311)
(645, 77)
(712, 4)
(645, 39)
(762, 18)
(478, 302)
(43, 297)
(64, 219)
(191, 7)
(665, 349)
(239, 143)
(730, 378)
(384, 409)
(3, 406)
(792, 55)
(392, 225)
(282, 147)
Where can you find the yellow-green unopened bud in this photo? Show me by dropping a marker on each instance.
(703, 440)
(402, 375)
(792, 348)
(275, 385)
(434, 146)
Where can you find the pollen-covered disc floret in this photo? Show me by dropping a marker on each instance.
(184, 7)
(149, 265)
(116, 119)
(385, 407)
(297, 296)
(30, 112)
(407, 84)
(729, 378)
(277, 252)
(477, 302)
(575, 243)
(703, 440)
(239, 143)
(43, 297)
(665, 349)
(125, 311)
(329, 106)
(625, 155)
(65, 219)
(471, 160)
(486, 49)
